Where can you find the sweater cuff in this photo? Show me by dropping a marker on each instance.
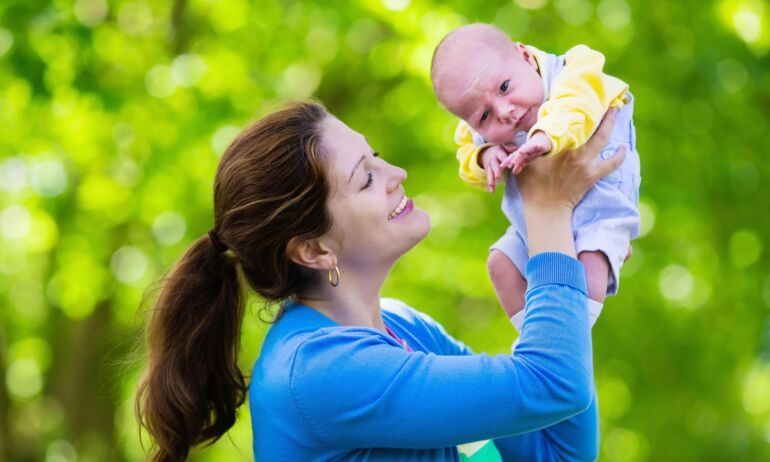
(555, 268)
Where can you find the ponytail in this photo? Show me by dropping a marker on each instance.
(271, 186)
(193, 386)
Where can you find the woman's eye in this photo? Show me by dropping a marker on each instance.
(369, 180)
(504, 86)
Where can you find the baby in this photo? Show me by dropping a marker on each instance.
(518, 103)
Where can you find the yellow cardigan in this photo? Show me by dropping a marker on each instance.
(575, 104)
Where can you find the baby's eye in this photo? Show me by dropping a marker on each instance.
(484, 117)
(504, 86)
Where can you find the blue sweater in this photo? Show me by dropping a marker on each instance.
(321, 391)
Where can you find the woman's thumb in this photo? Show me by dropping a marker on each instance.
(611, 163)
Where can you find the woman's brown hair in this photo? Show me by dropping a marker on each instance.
(270, 186)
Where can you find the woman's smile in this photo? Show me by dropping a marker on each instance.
(405, 206)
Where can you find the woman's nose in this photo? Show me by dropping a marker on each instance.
(396, 176)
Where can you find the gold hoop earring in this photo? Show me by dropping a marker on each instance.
(334, 282)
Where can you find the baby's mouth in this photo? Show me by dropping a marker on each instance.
(522, 120)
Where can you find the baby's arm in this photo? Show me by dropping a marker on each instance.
(579, 97)
(539, 144)
(471, 171)
(479, 164)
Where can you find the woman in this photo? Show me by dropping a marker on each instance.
(308, 214)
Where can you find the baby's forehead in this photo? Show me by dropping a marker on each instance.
(461, 81)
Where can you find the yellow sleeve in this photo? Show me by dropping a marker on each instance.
(468, 156)
(580, 96)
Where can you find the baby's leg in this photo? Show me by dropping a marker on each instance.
(597, 274)
(509, 284)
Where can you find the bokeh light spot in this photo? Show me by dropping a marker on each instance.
(575, 12)
(13, 175)
(60, 451)
(223, 137)
(531, 4)
(615, 397)
(745, 248)
(6, 40)
(15, 222)
(160, 82)
(732, 75)
(128, 264)
(614, 14)
(169, 227)
(299, 81)
(756, 389)
(623, 445)
(646, 218)
(91, 13)
(135, 18)
(48, 177)
(24, 378)
(396, 5)
(676, 282)
(188, 69)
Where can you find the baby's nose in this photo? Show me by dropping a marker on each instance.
(506, 113)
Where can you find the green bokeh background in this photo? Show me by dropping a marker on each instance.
(113, 115)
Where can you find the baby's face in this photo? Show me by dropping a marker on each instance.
(498, 94)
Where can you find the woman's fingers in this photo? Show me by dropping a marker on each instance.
(604, 167)
(602, 133)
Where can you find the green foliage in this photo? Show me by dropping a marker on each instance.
(113, 116)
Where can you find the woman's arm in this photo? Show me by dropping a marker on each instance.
(356, 390)
(573, 440)
(548, 205)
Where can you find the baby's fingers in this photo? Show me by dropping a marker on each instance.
(493, 173)
(519, 166)
(510, 160)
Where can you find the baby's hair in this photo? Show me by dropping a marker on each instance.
(468, 35)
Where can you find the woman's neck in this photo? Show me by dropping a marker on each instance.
(351, 303)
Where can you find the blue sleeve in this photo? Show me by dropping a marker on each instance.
(573, 440)
(355, 389)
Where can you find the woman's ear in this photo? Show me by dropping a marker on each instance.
(311, 253)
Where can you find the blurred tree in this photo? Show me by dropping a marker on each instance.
(114, 114)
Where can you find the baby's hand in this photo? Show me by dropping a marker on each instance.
(537, 145)
(490, 159)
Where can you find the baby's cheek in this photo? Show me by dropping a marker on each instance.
(492, 135)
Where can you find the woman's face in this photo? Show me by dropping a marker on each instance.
(374, 221)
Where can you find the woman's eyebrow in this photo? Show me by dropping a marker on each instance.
(354, 168)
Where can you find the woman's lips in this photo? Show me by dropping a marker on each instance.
(407, 208)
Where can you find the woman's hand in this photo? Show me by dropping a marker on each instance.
(552, 186)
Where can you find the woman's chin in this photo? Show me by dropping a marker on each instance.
(419, 227)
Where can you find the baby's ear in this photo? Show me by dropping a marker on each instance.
(524, 52)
